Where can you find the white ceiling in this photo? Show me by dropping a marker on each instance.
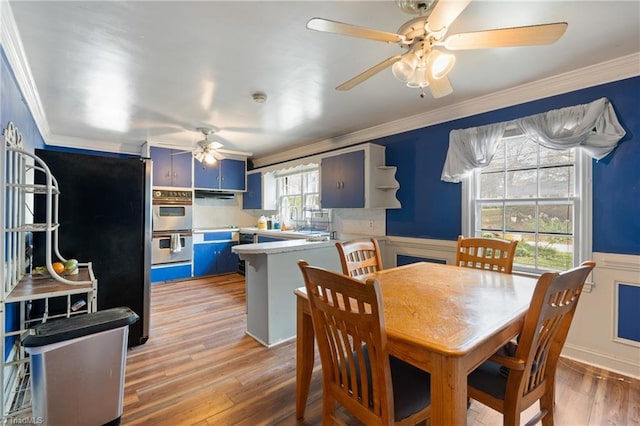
(129, 72)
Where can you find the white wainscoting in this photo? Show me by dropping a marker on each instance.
(593, 336)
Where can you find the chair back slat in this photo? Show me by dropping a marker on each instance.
(486, 253)
(359, 258)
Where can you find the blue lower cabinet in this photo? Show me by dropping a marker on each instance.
(214, 258)
(263, 239)
(170, 272)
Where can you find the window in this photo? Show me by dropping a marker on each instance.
(538, 196)
(297, 189)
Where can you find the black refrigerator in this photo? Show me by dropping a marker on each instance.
(105, 218)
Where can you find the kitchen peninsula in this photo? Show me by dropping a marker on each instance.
(271, 276)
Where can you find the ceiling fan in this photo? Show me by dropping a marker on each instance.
(425, 63)
(208, 151)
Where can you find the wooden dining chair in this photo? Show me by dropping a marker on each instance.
(357, 371)
(486, 253)
(359, 258)
(520, 374)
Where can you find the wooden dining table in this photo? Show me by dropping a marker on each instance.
(443, 319)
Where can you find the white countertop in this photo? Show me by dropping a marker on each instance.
(279, 233)
(213, 229)
(281, 246)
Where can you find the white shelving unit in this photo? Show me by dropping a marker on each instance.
(20, 290)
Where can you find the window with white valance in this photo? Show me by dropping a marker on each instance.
(593, 127)
(530, 180)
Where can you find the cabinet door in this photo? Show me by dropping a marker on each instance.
(252, 199)
(227, 260)
(161, 158)
(232, 173)
(204, 259)
(181, 165)
(353, 180)
(206, 176)
(342, 184)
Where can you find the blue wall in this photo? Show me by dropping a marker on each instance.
(14, 109)
(432, 208)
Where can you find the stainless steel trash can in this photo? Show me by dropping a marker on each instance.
(77, 367)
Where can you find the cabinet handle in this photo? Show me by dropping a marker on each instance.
(338, 185)
(175, 174)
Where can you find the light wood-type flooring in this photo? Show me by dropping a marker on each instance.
(200, 368)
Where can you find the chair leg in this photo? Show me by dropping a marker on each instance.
(546, 408)
(328, 411)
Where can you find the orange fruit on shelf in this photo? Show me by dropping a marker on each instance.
(58, 267)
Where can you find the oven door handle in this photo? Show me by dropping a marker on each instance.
(165, 234)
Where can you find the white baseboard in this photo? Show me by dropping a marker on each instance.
(601, 360)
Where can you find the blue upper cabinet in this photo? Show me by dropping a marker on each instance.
(227, 175)
(233, 175)
(252, 199)
(206, 176)
(358, 178)
(342, 180)
(171, 167)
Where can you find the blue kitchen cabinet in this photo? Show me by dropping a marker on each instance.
(252, 199)
(225, 175)
(214, 255)
(342, 180)
(264, 239)
(206, 176)
(170, 272)
(233, 175)
(171, 167)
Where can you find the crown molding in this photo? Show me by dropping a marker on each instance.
(12, 45)
(94, 145)
(601, 73)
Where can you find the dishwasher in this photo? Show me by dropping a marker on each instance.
(244, 238)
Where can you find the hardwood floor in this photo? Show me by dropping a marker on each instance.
(200, 368)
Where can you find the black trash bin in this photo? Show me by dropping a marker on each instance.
(78, 366)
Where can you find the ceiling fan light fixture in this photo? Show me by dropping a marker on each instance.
(419, 79)
(440, 63)
(405, 68)
(209, 158)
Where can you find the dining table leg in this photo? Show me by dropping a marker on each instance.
(304, 355)
(448, 391)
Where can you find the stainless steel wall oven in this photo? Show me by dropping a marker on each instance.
(172, 226)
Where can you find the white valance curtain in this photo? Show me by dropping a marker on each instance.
(593, 127)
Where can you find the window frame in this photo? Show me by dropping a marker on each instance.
(582, 220)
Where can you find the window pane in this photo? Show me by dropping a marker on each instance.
(555, 252)
(312, 182)
(497, 163)
(491, 217)
(522, 184)
(492, 185)
(525, 250)
(520, 217)
(555, 219)
(553, 156)
(556, 182)
(521, 153)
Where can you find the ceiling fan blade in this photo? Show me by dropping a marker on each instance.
(507, 37)
(440, 87)
(445, 12)
(181, 152)
(328, 26)
(369, 73)
(233, 152)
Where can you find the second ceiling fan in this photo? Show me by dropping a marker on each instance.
(426, 62)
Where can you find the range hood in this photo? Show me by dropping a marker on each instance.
(208, 193)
